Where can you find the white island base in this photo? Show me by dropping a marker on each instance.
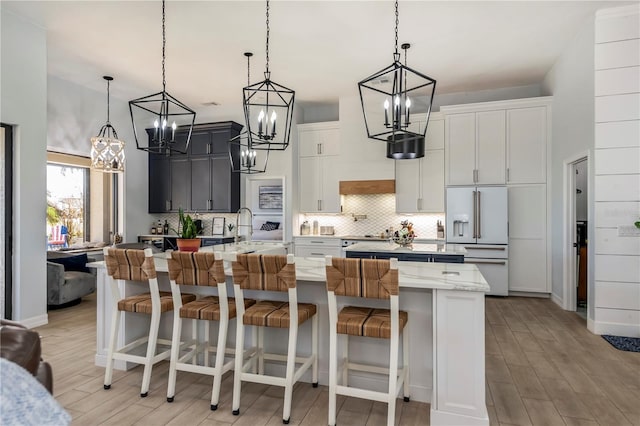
(445, 303)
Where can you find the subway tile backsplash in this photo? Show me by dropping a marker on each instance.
(380, 210)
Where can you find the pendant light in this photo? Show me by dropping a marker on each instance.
(107, 151)
(244, 157)
(391, 98)
(167, 121)
(268, 110)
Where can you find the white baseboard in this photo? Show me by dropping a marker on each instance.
(451, 419)
(35, 321)
(529, 294)
(613, 328)
(557, 300)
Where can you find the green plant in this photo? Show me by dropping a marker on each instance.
(187, 226)
(230, 226)
(637, 224)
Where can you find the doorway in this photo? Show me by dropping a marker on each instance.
(6, 221)
(576, 238)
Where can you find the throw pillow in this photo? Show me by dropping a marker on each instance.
(277, 224)
(72, 263)
(269, 227)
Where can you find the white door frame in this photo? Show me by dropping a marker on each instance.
(569, 229)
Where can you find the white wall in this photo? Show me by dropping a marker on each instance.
(617, 172)
(23, 97)
(570, 81)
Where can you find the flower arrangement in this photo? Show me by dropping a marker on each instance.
(405, 235)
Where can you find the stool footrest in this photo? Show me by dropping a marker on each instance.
(362, 393)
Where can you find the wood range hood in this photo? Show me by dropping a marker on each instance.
(358, 187)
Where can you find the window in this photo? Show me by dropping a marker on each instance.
(67, 203)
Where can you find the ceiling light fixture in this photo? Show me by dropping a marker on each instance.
(391, 98)
(247, 159)
(268, 110)
(165, 113)
(107, 151)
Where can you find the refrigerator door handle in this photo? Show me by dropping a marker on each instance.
(479, 216)
(475, 222)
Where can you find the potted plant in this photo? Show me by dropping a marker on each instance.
(187, 237)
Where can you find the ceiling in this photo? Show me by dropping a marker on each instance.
(321, 49)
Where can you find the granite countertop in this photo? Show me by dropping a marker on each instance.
(390, 247)
(213, 237)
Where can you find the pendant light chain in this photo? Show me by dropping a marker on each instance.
(108, 103)
(164, 42)
(396, 55)
(267, 45)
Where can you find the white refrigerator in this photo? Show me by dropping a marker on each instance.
(477, 218)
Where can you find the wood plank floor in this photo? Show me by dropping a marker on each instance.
(543, 367)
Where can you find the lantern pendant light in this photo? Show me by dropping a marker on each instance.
(268, 110)
(244, 157)
(390, 98)
(107, 151)
(167, 121)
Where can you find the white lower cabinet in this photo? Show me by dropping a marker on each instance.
(528, 267)
(313, 246)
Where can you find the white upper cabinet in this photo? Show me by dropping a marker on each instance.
(319, 139)
(319, 148)
(420, 183)
(527, 145)
(476, 148)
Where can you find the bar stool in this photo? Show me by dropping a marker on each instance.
(271, 273)
(200, 269)
(375, 279)
(136, 265)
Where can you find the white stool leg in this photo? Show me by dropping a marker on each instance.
(405, 360)
(115, 325)
(220, 352)
(151, 352)
(194, 337)
(345, 360)
(175, 354)
(314, 350)
(333, 373)
(255, 333)
(291, 364)
(260, 331)
(239, 357)
(205, 342)
(393, 376)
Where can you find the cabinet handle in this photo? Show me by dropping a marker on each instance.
(167, 204)
(208, 148)
(317, 254)
(479, 216)
(319, 205)
(475, 222)
(507, 174)
(209, 207)
(319, 148)
(419, 203)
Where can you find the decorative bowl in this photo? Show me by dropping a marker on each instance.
(403, 240)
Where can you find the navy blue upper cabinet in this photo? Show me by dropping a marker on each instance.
(201, 180)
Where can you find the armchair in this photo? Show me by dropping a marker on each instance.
(68, 279)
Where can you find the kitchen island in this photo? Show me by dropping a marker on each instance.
(445, 302)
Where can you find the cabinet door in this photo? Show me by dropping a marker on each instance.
(408, 184)
(330, 186)
(225, 196)
(431, 198)
(309, 175)
(159, 188)
(329, 140)
(200, 143)
(312, 251)
(527, 145)
(200, 184)
(435, 134)
(180, 183)
(461, 141)
(317, 142)
(181, 142)
(490, 147)
(528, 239)
(220, 142)
(308, 141)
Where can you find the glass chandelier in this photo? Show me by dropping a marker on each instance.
(268, 110)
(242, 154)
(107, 151)
(390, 98)
(172, 120)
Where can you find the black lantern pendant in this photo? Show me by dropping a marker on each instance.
(107, 151)
(268, 110)
(391, 98)
(172, 120)
(244, 158)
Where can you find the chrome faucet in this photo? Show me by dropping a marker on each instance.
(250, 225)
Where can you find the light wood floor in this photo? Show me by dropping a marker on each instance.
(543, 368)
